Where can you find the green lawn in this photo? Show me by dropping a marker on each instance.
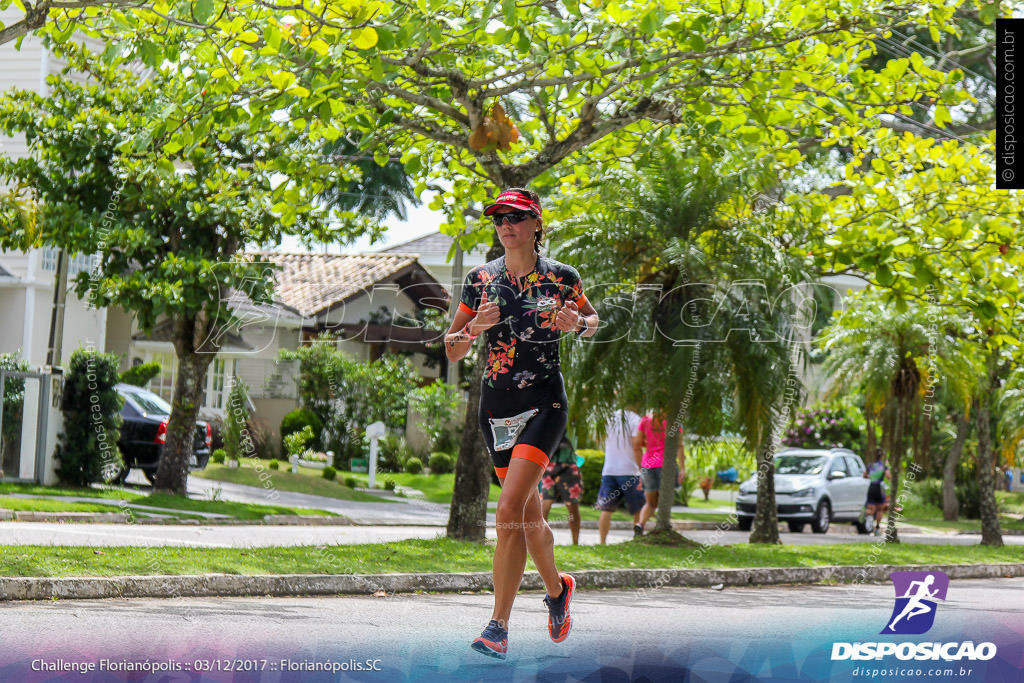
(306, 481)
(437, 488)
(559, 513)
(444, 555)
(45, 505)
(185, 506)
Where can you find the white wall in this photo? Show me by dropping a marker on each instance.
(21, 69)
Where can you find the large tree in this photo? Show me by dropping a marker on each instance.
(168, 222)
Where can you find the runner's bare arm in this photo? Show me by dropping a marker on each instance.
(457, 340)
(467, 326)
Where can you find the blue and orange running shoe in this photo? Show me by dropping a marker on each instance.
(559, 621)
(493, 642)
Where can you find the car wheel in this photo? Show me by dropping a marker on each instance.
(867, 526)
(822, 518)
(796, 527)
(744, 523)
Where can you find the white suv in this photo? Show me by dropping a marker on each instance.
(812, 485)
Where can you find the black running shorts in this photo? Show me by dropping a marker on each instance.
(540, 437)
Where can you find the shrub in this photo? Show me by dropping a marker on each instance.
(591, 474)
(413, 465)
(262, 437)
(139, 375)
(705, 458)
(437, 403)
(392, 452)
(389, 484)
(330, 473)
(237, 443)
(299, 418)
(295, 443)
(824, 428)
(88, 451)
(274, 465)
(14, 399)
(351, 482)
(441, 463)
(218, 456)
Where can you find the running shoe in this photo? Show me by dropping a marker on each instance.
(559, 621)
(637, 530)
(493, 642)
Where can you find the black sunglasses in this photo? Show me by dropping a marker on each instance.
(513, 217)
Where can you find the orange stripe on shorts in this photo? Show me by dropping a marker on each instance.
(501, 472)
(531, 453)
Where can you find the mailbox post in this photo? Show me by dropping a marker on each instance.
(374, 432)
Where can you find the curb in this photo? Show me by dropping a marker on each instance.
(284, 585)
(77, 517)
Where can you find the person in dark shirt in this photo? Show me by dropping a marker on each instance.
(562, 483)
(522, 302)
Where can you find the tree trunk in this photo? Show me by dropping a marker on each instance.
(872, 441)
(195, 348)
(467, 518)
(950, 507)
(669, 471)
(172, 472)
(765, 528)
(990, 532)
(915, 431)
(895, 458)
(925, 458)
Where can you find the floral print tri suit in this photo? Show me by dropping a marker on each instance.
(523, 372)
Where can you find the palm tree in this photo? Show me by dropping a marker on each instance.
(886, 353)
(378, 191)
(683, 329)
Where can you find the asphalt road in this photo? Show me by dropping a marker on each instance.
(738, 634)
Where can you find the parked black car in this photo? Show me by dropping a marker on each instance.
(144, 431)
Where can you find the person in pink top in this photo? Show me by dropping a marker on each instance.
(650, 437)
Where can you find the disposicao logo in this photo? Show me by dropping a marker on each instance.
(916, 593)
(914, 614)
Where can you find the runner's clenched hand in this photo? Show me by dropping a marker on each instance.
(486, 316)
(568, 318)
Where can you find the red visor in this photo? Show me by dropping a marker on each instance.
(513, 200)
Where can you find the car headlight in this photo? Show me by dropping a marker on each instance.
(804, 493)
(748, 488)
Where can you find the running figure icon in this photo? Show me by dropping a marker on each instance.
(916, 596)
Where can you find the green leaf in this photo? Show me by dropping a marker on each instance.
(204, 10)
(883, 275)
(942, 116)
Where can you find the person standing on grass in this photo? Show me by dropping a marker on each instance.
(562, 482)
(620, 476)
(522, 302)
(650, 437)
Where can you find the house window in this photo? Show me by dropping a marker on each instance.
(163, 383)
(215, 397)
(50, 259)
(75, 265)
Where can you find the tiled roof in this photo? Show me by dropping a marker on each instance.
(312, 283)
(431, 244)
